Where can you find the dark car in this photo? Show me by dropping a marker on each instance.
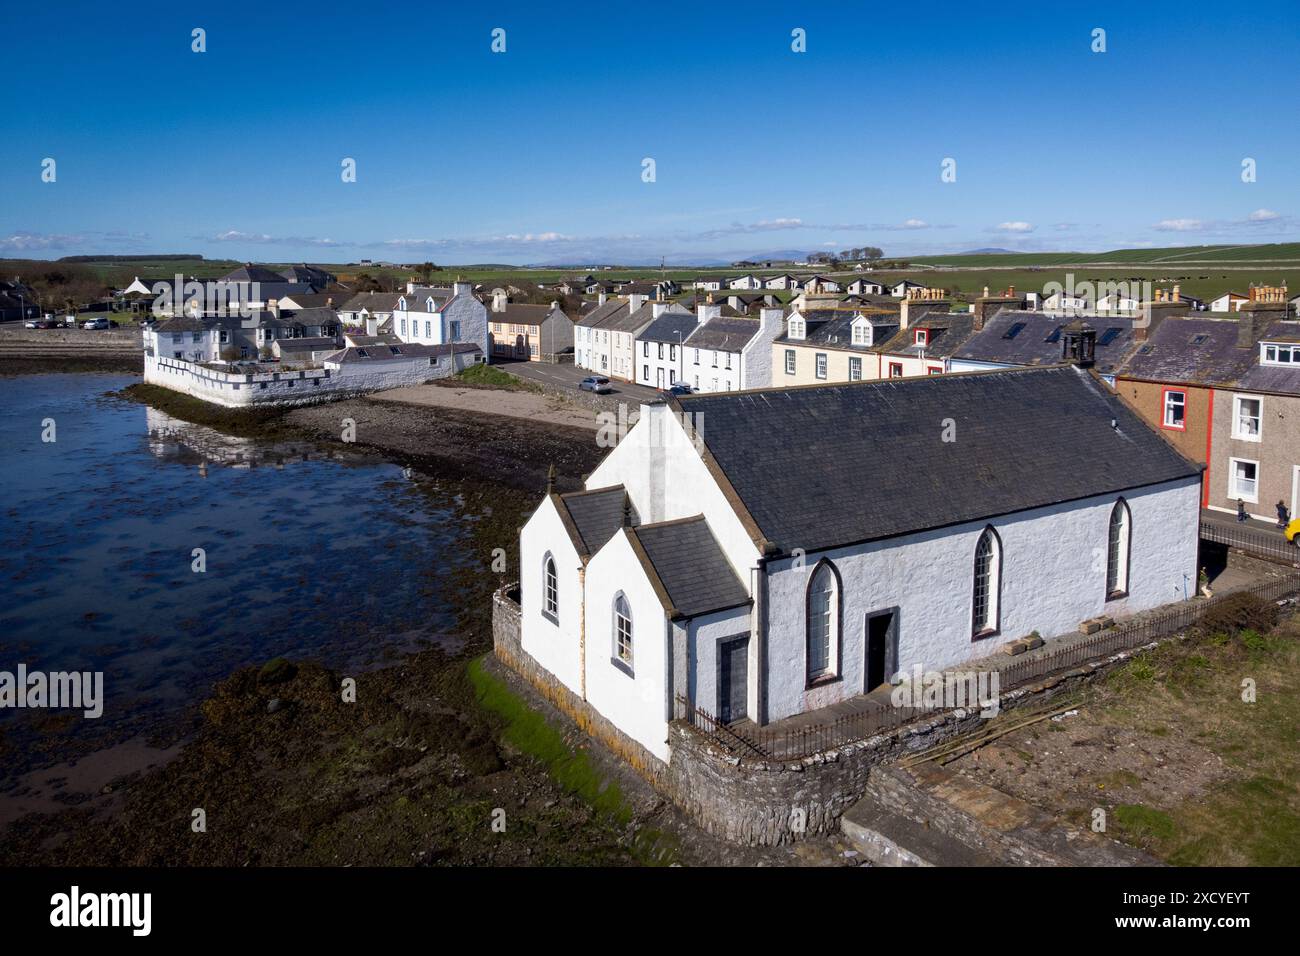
(679, 388)
(595, 383)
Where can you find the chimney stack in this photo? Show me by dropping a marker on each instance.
(601, 299)
(1079, 344)
(499, 300)
(987, 306)
(1151, 314)
(635, 301)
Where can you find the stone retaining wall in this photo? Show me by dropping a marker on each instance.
(758, 802)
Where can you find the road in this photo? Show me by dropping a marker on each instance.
(568, 376)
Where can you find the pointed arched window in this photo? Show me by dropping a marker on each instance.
(623, 632)
(823, 623)
(987, 589)
(550, 587)
(1117, 551)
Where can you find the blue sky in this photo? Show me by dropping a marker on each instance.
(535, 155)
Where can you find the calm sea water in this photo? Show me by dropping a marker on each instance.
(344, 559)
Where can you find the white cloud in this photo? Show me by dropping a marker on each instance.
(1263, 215)
(1178, 225)
(235, 235)
(1017, 226)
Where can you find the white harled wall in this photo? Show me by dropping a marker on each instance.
(1053, 577)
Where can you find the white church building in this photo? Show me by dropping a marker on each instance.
(771, 552)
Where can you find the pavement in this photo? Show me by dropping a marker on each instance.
(568, 376)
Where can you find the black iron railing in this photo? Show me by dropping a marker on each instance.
(744, 739)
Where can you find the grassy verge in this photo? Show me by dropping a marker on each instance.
(489, 376)
(1251, 815)
(528, 731)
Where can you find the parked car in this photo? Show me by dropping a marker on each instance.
(1292, 531)
(47, 324)
(679, 388)
(95, 324)
(595, 383)
(33, 324)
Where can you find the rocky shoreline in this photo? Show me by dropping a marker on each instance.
(287, 773)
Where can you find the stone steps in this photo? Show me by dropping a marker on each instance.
(930, 816)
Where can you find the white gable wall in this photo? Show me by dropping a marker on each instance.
(1053, 576)
(680, 487)
(554, 646)
(636, 703)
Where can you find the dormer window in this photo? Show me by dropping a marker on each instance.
(1272, 353)
(861, 332)
(401, 303)
(796, 328)
(922, 337)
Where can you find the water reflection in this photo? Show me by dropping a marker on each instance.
(310, 551)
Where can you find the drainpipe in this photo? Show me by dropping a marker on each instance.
(760, 640)
(582, 631)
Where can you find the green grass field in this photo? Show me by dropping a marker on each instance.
(1203, 271)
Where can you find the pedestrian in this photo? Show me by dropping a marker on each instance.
(1283, 517)
(1241, 510)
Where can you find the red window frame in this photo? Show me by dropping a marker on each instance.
(1164, 404)
(895, 369)
(922, 337)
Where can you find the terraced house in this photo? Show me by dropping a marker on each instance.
(424, 315)
(1225, 391)
(867, 343)
(605, 338)
(536, 333)
(895, 523)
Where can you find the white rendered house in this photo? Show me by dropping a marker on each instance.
(773, 552)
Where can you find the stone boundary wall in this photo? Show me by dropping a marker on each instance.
(766, 803)
(240, 390)
(297, 387)
(91, 339)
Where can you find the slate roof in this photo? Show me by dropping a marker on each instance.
(724, 334)
(690, 565)
(862, 461)
(597, 515)
(307, 344)
(251, 273)
(668, 326)
(523, 313)
(395, 351)
(417, 300)
(374, 301)
(948, 332)
(1204, 351)
(1192, 352)
(313, 300)
(833, 328)
(314, 316)
(613, 316)
(1038, 342)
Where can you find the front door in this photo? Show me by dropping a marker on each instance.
(659, 377)
(880, 634)
(733, 679)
